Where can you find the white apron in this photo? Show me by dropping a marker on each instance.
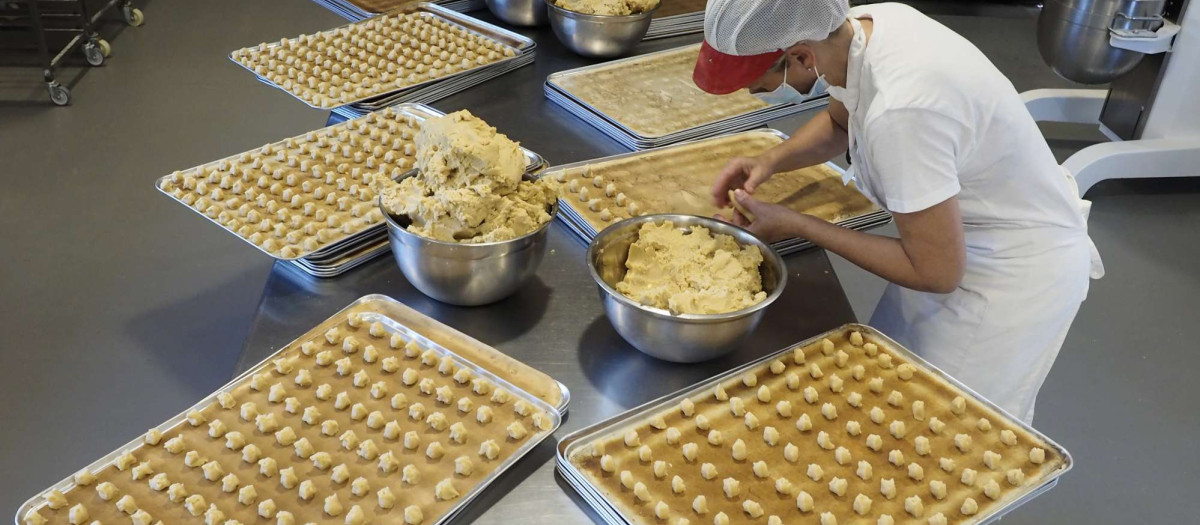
(1001, 330)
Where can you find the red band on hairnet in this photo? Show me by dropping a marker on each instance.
(719, 73)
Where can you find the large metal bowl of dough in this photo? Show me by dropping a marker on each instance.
(677, 337)
(598, 36)
(467, 274)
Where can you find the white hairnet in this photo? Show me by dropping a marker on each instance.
(752, 27)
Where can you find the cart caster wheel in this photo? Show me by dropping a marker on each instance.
(59, 94)
(105, 47)
(94, 54)
(134, 16)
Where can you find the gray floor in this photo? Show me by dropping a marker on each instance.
(116, 291)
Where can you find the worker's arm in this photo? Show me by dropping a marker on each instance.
(929, 256)
(817, 141)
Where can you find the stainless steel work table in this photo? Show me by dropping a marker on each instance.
(555, 324)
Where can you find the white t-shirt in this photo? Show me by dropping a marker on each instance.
(932, 118)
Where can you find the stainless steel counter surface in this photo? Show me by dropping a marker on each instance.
(121, 308)
(92, 394)
(556, 323)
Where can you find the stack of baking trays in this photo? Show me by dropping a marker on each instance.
(676, 17)
(650, 101)
(419, 53)
(377, 415)
(678, 179)
(848, 427)
(355, 10)
(308, 200)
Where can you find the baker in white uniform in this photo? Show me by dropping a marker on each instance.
(993, 257)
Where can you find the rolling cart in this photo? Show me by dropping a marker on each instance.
(31, 24)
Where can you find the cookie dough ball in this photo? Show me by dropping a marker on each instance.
(333, 506)
(1037, 455)
(413, 515)
(969, 507)
(991, 489)
(862, 505)
(1008, 437)
(804, 502)
(887, 487)
(914, 506)
(791, 453)
(731, 487)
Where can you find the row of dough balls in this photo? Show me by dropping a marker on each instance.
(426, 386)
(372, 57)
(246, 494)
(349, 345)
(301, 204)
(600, 196)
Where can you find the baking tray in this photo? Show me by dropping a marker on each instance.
(336, 245)
(376, 308)
(507, 38)
(556, 90)
(569, 444)
(732, 125)
(576, 222)
(675, 25)
(345, 263)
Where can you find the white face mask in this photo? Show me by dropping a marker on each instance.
(786, 94)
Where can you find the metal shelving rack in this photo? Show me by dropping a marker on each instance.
(31, 24)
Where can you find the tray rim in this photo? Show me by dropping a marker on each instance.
(564, 448)
(178, 419)
(470, 23)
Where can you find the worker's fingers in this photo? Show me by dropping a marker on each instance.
(732, 176)
(740, 220)
(746, 200)
(758, 174)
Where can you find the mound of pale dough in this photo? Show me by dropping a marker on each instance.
(691, 273)
(469, 186)
(607, 7)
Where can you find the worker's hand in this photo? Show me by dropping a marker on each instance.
(771, 222)
(744, 173)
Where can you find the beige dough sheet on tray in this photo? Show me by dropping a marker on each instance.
(361, 420)
(655, 96)
(840, 431)
(678, 179)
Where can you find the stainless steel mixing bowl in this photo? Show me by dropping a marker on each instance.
(681, 338)
(526, 13)
(467, 274)
(598, 35)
